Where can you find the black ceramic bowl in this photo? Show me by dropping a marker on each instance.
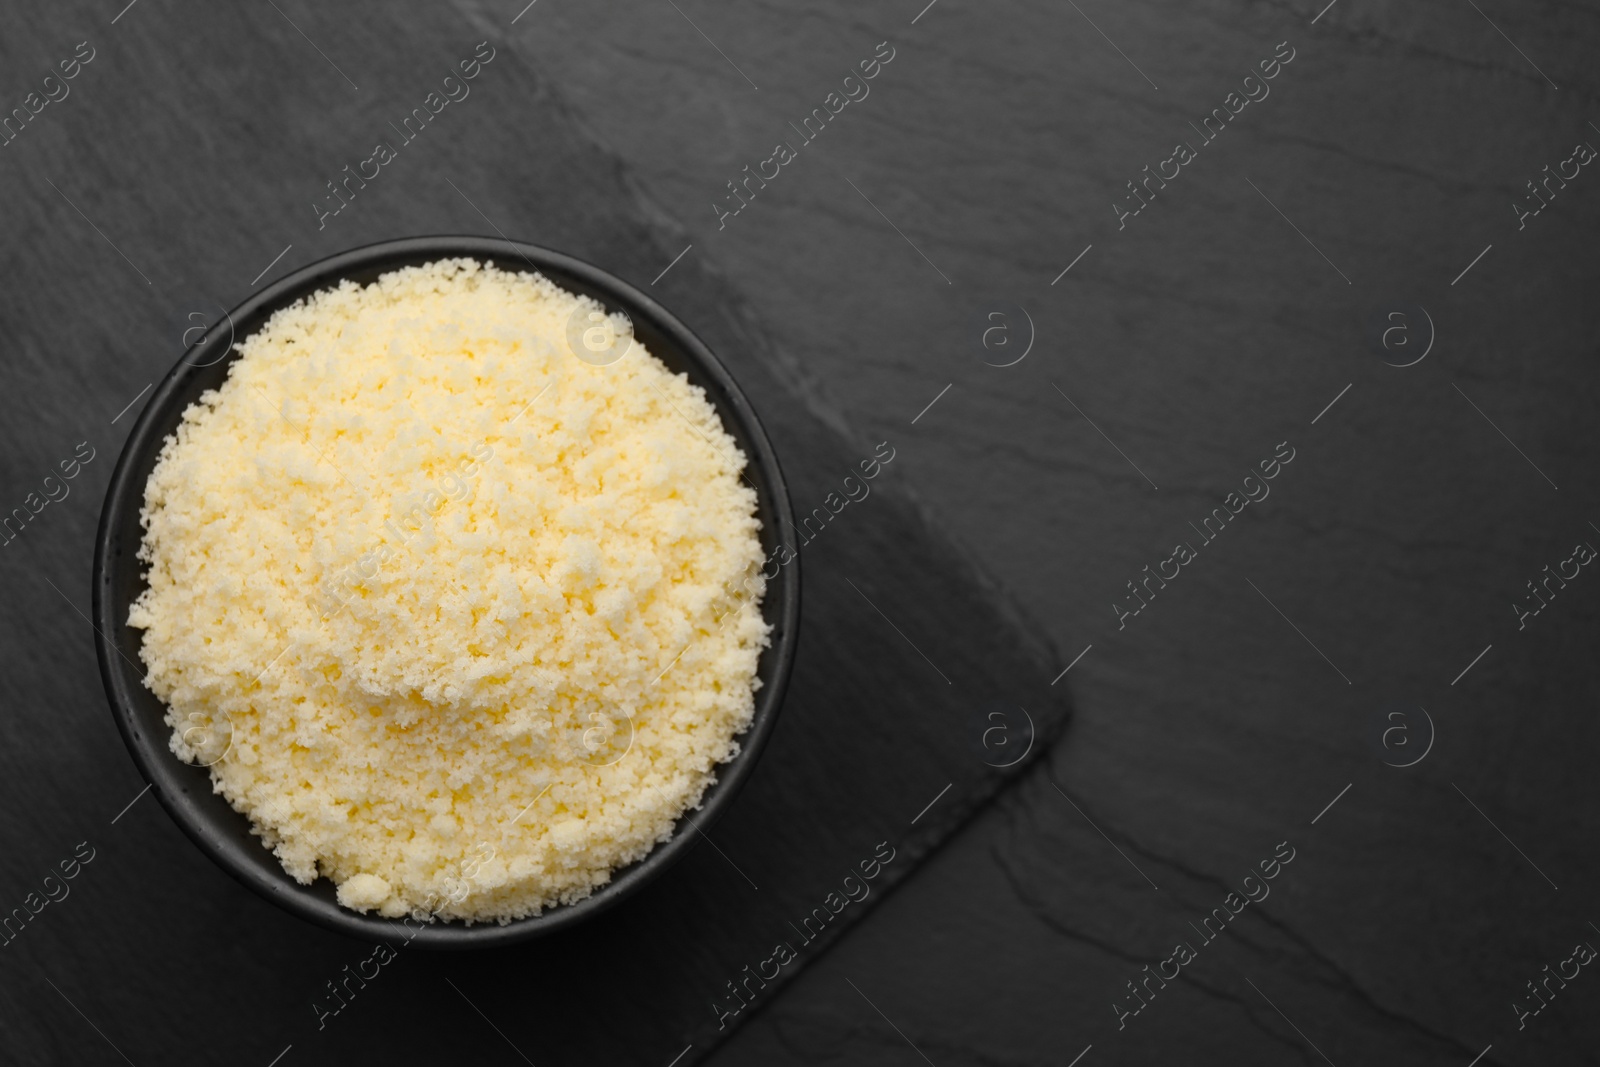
(185, 790)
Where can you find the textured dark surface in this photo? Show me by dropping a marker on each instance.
(1197, 338)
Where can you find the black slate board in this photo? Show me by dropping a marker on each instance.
(184, 159)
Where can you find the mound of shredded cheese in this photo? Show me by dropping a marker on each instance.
(461, 619)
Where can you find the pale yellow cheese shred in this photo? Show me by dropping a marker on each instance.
(460, 620)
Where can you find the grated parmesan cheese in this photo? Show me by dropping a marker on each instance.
(461, 621)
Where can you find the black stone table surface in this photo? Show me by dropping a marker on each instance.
(1240, 362)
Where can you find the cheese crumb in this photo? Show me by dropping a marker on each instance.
(461, 621)
(363, 892)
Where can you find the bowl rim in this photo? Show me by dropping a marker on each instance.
(162, 770)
